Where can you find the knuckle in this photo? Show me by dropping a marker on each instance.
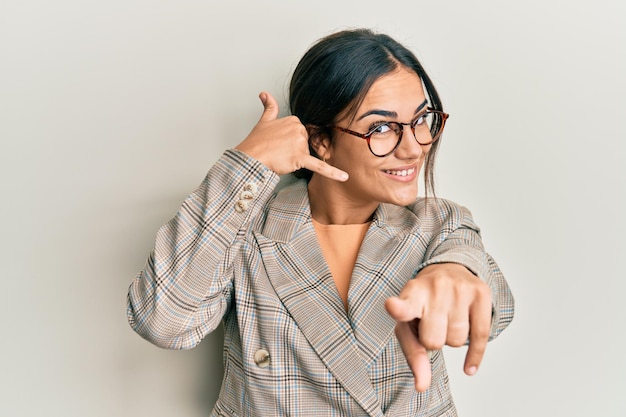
(477, 350)
(295, 121)
(442, 282)
(485, 292)
(457, 334)
(456, 341)
(480, 334)
(302, 130)
(412, 285)
(318, 165)
(431, 342)
(460, 327)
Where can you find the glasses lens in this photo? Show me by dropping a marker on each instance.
(428, 128)
(384, 138)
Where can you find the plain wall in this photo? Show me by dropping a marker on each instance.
(112, 111)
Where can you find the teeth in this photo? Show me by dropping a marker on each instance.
(402, 173)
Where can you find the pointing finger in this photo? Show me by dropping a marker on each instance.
(416, 355)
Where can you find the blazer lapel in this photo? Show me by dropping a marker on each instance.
(302, 280)
(389, 256)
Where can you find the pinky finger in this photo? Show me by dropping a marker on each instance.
(480, 325)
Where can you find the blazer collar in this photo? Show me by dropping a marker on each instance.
(290, 211)
(346, 343)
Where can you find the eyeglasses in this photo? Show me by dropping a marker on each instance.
(384, 137)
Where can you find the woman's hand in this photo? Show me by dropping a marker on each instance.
(282, 144)
(445, 304)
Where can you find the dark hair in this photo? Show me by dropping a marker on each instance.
(335, 74)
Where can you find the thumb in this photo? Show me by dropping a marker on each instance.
(270, 106)
(401, 309)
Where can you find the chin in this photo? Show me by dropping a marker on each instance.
(407, 201)
(404, 200)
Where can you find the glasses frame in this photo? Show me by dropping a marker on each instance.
(436, 130)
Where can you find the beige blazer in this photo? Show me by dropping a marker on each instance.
(239, 253)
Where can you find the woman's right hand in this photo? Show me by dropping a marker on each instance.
(282, 144)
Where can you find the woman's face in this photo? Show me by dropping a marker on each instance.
(395, 97)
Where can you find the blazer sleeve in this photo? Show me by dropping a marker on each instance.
(456, 238)
(185, 287)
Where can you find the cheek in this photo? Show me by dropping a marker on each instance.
(351, 159)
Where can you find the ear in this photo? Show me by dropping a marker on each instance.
(319, 142)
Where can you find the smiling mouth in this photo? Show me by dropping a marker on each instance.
(400, 173)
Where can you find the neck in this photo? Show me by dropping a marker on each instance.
(331, 203)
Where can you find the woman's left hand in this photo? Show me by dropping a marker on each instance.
(445, 304)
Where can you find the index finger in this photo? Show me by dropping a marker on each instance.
(417, 357)
(317, 165)
(480, 326)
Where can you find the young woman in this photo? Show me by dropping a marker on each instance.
(338, 291)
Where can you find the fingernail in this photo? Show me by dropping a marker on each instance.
(472, 370)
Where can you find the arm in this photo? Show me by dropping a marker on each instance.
(458, 241)
(184, 290)
(458, 295)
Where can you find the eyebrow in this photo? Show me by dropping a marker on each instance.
(388, 113)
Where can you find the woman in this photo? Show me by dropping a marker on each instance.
(338, 291)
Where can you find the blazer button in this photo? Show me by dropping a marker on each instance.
(252, 187)
(241, 206)
(262, 358)
(246, 195)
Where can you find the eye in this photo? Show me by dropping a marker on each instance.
(380, 129)
(422, 119)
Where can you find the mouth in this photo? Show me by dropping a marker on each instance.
(400, 172)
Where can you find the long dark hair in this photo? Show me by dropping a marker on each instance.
(335, 74)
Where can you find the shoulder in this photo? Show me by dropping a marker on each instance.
(286, 211)
(440, 212)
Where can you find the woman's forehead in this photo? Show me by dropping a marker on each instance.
(400, 92)
(394, 87)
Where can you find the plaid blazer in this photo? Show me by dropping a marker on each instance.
(240, 253)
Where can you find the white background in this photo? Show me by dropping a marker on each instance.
(112, 111)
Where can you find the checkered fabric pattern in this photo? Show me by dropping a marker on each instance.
(239, 253)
